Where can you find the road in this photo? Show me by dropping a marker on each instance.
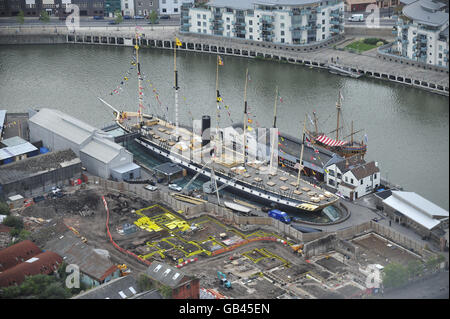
(85, 22)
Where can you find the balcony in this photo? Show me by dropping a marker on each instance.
(334, 22)
(187, 25)
(335, 30)
(335, 15)
(423, 49)
(305, 12)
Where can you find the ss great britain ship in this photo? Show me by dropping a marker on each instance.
(205, 151)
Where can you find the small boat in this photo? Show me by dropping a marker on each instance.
(343, 70)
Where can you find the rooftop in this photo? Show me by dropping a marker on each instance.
(102, 149)
(36, 165)
(426, 12)
(17, 253)
(61, 124)
(417, 208)
(13, 141)
(119, 288)
(16, 150)
(168, 168)
(44, 263)
(74, 251)
(165, 274)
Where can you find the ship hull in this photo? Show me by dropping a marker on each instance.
(235, 187)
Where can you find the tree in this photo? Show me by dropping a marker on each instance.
(4, 208)
(153, 17)
(44, 16)
(144, 282)
(118, 16)
(13, 221)
(37, 287)
(415, 268)
(165, 291)
(21, 17)
(394, 275)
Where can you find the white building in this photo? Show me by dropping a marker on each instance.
(283, 21)
(127, 7)
(96, 149)
(353, 177)
(422, 32)
(172, 6)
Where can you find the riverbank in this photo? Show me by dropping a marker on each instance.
(315, 55)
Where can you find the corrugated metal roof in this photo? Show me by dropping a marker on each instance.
(76, 252)
(120, 288)
(12, 151)
(168, 168)
(126, 168)
(416, 208)
(44, 263)
(36, 165)
(15, 254)
(12, 141)
(165, 274)
(102, 149)
(63, 125)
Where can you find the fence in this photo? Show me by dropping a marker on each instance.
(191, 211)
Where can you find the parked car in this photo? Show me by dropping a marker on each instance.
(156, 22)
(175, 187)
(356, 18)
(279, 215)
(151, 188)
(38, 199)
(164, 17)
(127, 17)
(112, 22)
(99, 17)
(139, 17)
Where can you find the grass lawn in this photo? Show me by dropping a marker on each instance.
(360, 46)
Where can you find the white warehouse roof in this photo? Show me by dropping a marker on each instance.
(63, 125)
(102, 149)
(417, 208)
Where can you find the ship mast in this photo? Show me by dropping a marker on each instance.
(217, 99)
(338, 107)
(141, 105)
(176, 87)
(274, 126)
(315, 123)
(300, 165)
(245, 117)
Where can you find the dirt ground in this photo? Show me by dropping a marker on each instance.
(375, 250)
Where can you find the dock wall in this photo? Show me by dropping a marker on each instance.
(316, 55)
(191, 211)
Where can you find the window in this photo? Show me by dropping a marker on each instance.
(374, 176)
(282, 32)
(331, 172)
(175, 10)
(282, 17)
(250, 22)
(199, 24)
(204, 16)
(250, 29)
(282, 40)
(282, 25)
(204, 24)
(250, 37)
(228, 19)
(164, 10)
(228, 27)
(198, 16)
(331, 182)
(351, 181)
(362, 181)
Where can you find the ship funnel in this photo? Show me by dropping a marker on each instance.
(206, 130)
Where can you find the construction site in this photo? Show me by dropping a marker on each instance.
(231, 260)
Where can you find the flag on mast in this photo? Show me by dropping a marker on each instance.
(178, 42)
(219, 60)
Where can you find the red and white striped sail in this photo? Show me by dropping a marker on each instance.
(329, 141)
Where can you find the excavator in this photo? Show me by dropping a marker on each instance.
(297, 249)
(223, 280)
(123, 270)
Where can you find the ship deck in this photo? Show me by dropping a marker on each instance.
(257, 174)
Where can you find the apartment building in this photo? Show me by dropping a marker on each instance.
(172, 7)
(145, 7)
(422, 32)
(286, 22)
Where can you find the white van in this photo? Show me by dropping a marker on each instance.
(356, 18)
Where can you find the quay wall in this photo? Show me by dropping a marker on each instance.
(316, 55)
(385, 32)
(242, 222)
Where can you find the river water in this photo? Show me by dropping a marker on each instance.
(407, 129)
